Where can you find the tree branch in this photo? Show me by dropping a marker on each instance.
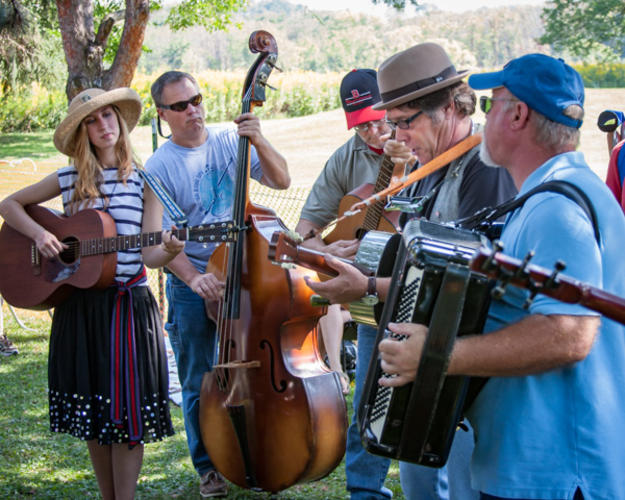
(122, 70)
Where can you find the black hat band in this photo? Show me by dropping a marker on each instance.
(420, 84)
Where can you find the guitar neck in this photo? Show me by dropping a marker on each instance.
(611, 306)
(374, 212)
(311, 259)
(572, 291)
(553, 284)
(212, 233)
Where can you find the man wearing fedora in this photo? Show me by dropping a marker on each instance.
(548, 421)
(197, 168)
(353, 164)
(429, 107)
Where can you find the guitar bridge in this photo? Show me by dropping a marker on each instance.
(35, 260)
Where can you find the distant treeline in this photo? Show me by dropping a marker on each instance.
(299, 93)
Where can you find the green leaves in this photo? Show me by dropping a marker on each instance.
(586, 28)
(214, 15)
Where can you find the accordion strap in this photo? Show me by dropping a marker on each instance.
(487, 216)
(443, 329)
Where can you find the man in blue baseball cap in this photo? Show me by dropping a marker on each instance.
(548, 421)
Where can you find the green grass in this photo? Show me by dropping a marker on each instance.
(33, 145)
(37, 464)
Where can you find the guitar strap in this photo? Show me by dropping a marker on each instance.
(174, 211)
(483, 219)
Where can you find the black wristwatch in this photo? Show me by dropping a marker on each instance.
(371, 297)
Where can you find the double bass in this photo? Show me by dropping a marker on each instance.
(272, 414)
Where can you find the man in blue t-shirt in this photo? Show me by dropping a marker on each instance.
(197, 167)
(548, 422)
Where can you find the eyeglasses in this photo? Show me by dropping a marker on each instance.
(179, 106)
(364, 127)
(404, 123)
(486, 103)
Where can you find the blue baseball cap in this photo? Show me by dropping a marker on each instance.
(546, 84)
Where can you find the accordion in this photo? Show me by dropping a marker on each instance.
(417, 422)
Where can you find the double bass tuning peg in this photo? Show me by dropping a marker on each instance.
(273, 65)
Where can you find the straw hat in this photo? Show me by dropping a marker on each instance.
(127, 101)
(415, 72)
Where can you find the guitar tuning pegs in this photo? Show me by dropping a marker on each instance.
(523, 266)
(557, 268)
(499, 291)
(488, 263)
(530, 299)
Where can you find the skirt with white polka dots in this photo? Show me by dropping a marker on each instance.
(79, 369)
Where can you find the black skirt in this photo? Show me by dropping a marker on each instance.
(80, 374)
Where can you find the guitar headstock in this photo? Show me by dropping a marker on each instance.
(509, 270)
(218, 232)
(283, 247)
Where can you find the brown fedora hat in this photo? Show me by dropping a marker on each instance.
(127, 101)
(415, 72)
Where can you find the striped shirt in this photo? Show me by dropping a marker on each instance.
(125, 207)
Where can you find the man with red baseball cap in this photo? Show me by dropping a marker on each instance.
(355, 163)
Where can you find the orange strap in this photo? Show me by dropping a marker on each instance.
(430, 167)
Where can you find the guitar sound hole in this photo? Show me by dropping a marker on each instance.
(70, 254)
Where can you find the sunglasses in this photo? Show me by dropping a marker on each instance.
(403, 124)
(486, 103)
(364, 127)
(179, 106)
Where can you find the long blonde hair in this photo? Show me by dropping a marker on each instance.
(89, 167)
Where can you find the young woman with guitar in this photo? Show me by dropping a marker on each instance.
(107, 371)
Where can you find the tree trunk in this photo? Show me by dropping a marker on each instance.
(84, 49)
(127, 58)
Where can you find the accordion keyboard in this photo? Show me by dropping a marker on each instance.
(406, 307)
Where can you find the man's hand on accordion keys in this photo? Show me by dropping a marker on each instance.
(400, 358)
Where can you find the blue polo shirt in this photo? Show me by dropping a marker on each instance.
(543, 436)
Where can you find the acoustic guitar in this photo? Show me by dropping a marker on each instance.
(31, 281)
(374, 217)
(509, 270)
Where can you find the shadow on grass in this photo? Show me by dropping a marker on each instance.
(32, 145)
(39, 464)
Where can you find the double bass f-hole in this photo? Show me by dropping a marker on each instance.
(265, 344)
